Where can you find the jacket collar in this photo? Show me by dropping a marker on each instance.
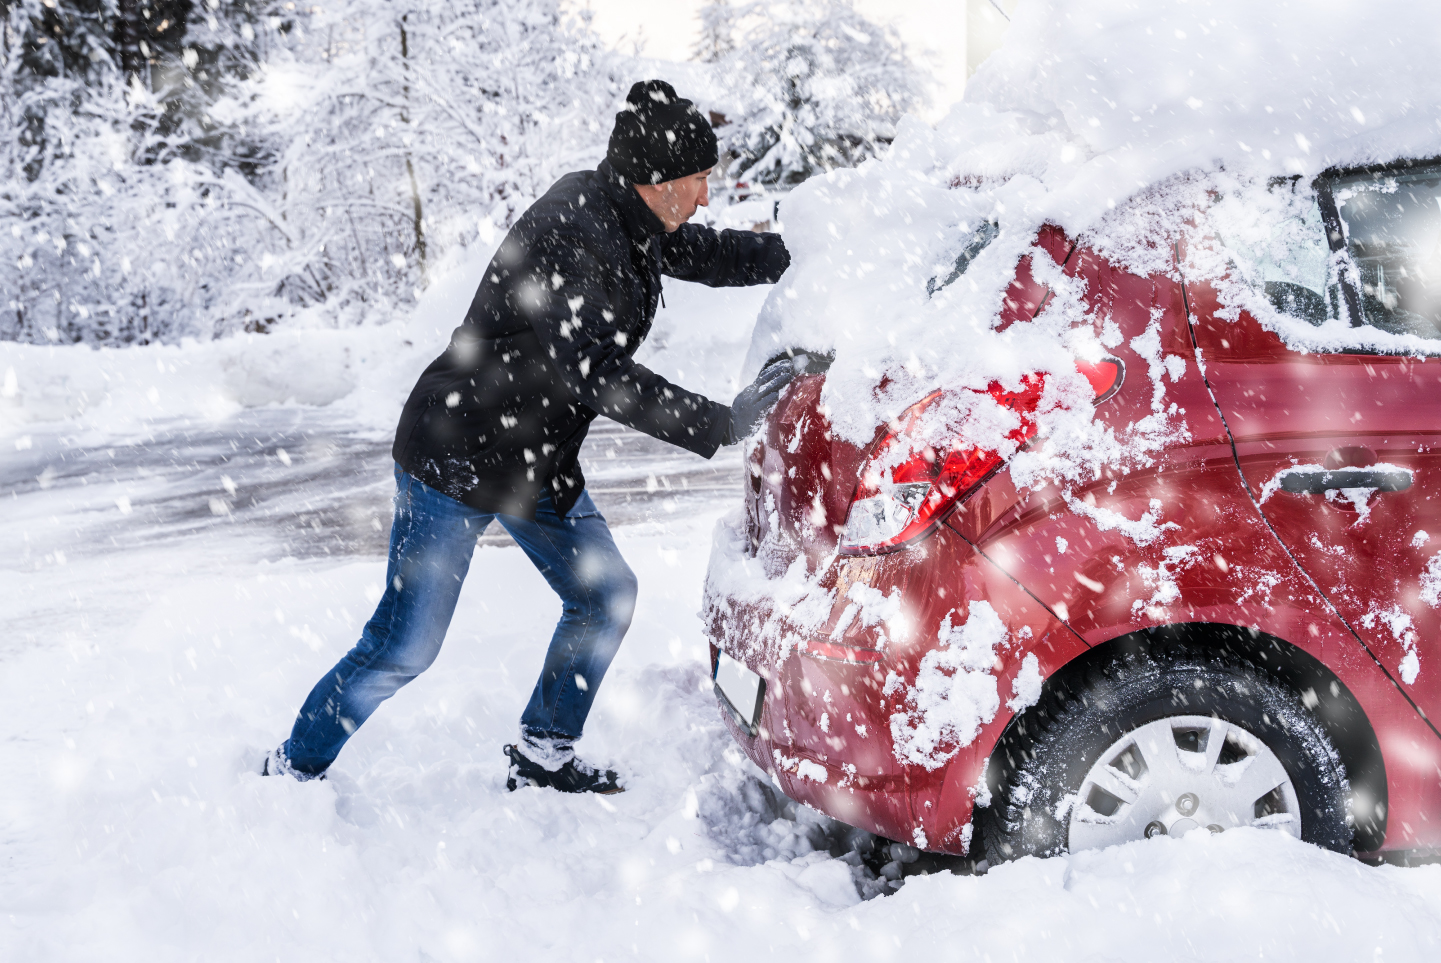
(640, 221)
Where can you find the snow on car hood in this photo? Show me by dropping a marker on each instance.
(1086, 103)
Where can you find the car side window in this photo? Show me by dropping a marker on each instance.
(1358, 252)
(1286, 253)
(1392, 227)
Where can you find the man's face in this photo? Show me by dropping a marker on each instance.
(675, 201)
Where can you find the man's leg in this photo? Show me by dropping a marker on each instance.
(431, 544)
(578, 557)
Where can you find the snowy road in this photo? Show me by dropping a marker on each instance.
(303, 482)
(268, 484)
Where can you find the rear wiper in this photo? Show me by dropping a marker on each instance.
(983, 236)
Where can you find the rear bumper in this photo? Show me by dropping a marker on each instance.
(824, 734)
(877, 798)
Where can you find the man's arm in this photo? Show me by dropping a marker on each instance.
(694, 252)
(569, 310)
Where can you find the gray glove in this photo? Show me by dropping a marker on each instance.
(751, 405)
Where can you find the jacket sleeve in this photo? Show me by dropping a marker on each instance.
(729, 258)
(569, 311)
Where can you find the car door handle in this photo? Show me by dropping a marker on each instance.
(1318, 481)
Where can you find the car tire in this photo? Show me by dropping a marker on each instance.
(1040, 767)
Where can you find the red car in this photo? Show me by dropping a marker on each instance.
(1007, 671)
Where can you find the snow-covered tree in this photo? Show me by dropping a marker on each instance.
(423, 126)
(241, 162)
(821, 87)
(717, 31)
(112, 167)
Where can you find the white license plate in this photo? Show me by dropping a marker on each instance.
(741, 689)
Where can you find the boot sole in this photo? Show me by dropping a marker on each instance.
(516, 781)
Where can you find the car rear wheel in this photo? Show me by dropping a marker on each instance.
(1154, 745)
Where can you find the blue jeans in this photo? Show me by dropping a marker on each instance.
(431, 544)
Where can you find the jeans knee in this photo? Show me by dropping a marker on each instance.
(620, 601)
(609, 600)
(398, 654)
(415, 660)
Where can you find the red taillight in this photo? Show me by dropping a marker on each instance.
(1105, 376)
(898, 504)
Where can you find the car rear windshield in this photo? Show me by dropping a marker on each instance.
(1392, 224)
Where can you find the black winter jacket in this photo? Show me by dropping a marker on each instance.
(548, 341)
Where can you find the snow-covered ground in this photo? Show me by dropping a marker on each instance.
(133, 826)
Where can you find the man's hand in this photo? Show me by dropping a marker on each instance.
(754, 401)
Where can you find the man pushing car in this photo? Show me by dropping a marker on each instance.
(493, 429)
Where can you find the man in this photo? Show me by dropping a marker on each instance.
(494, 426)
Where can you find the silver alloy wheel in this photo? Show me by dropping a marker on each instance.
(1177, 774)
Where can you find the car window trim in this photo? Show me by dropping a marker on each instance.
(1336, 237)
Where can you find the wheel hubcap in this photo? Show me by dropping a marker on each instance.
(1177, 774)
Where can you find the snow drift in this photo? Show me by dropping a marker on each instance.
(698, 341)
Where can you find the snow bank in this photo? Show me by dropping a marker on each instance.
(136, 826)
(119, 391)
(698, 340)
(1184, 899)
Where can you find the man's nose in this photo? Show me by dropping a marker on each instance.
(704, 199)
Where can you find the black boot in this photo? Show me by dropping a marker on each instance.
(574, 776)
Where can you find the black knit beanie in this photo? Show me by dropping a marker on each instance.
(660, 136)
